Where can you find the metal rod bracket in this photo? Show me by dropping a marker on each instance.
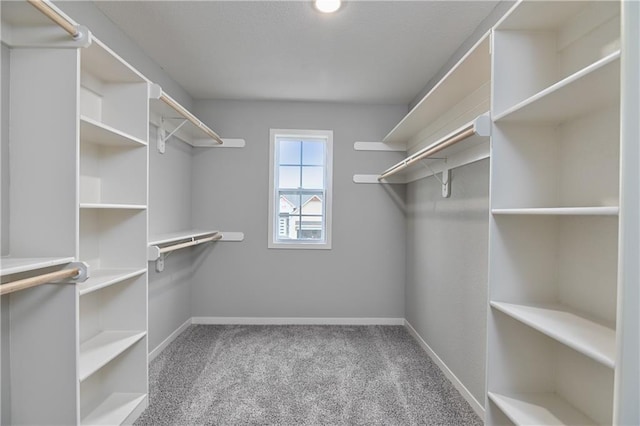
(446, 183)
(160, 263)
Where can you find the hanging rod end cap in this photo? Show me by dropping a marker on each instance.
(83, 271)
(84, 37)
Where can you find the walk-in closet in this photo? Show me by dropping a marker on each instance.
(320, 212)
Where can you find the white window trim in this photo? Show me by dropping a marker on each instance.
(320, 134)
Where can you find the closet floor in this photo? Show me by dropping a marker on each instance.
(300, 375)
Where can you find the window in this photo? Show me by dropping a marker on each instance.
(300, 170)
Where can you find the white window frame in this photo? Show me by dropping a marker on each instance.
(274, 201)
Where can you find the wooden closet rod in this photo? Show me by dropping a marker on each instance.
(192, 118)
(167, 249)
(23, 284)
(470, 131)
(52, 14)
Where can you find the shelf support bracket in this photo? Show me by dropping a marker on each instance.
(162, 137)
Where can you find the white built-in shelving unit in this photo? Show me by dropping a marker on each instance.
(79, 192)
(43, 217)
(555, 214)
(112, 366)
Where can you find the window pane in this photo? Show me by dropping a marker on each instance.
(313, 177)
(309, 227)
(289, 152)
(312, 204)
(313, 153)
(289, 177)
(289, 203)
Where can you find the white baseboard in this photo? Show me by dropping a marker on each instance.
(477, 407)
(298, 321)
(166, 342)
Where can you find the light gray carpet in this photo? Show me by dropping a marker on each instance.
(300, 375)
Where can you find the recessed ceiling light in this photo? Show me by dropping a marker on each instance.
(327, 6)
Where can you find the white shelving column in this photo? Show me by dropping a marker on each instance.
(43, 216)
(553, 268)
(626, 407)
(112, 364)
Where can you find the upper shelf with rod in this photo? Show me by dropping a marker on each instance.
(471, 134)
(448, 128)
(463, 92)
(172, 119)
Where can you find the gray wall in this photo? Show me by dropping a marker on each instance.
(5, 401)
(169, 211)
(447, 257)
(361, 276)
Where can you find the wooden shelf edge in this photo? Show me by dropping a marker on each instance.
(567, 327)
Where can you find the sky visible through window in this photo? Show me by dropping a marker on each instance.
(301, 164)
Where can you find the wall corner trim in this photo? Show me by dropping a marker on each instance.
(166, 342)
(477, 407)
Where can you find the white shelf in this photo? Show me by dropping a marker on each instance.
(15, 265)
(106, 65)
(468, 75)
(112, 206)
(567, 327)
(578, 94)
(99, 350)
(102, 278)
(101, 134)
(173, 237)
(537, 409)
(115, 409)
(560, 211)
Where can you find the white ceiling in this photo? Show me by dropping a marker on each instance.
(369, 51)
